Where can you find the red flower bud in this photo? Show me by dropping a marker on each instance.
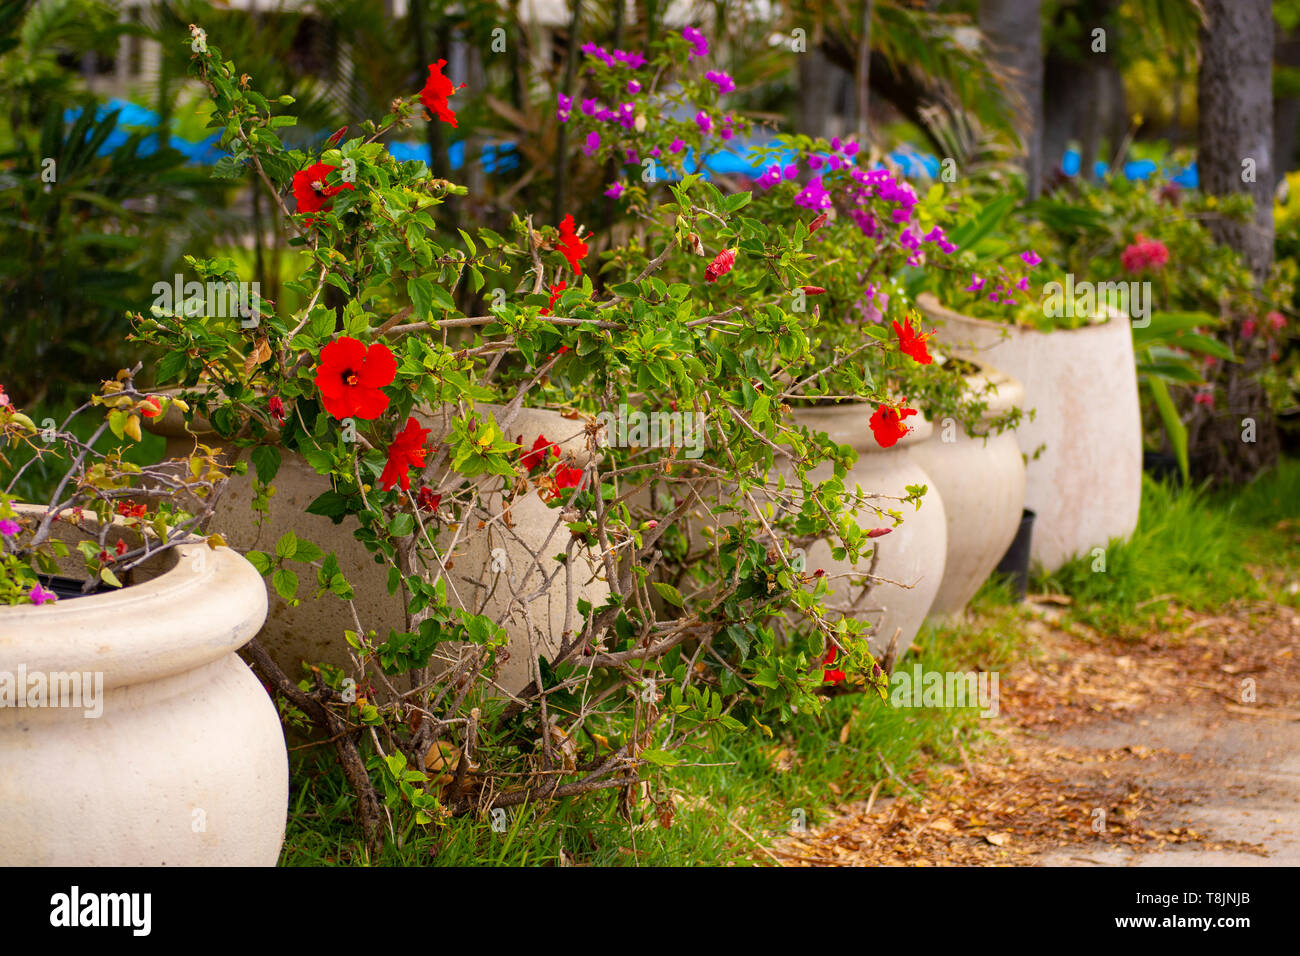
(720, 265)
(878, 532)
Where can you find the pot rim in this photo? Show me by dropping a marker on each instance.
(189, 615)
(929, 303)
(1008, 391)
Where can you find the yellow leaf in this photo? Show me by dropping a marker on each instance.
(132, 428)
(216, 541)
(108, 577)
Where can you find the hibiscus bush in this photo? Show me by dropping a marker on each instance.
(400, 381)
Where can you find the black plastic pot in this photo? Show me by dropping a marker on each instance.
(71, 587)
(1016, 561)
(1163, 467)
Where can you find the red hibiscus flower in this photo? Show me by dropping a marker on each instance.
(834, 676)
(406, 452)
(436, 90)
(566, 477)
(720, 265)
(276, 407)
(912, 342)
(310, 191)
(887, 424)
(537, 457)
(571, 247)
(556, 291)
(129, 509)
(151, 407)
(350, 377)
(426, 500)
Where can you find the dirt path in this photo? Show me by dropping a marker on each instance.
(1112, 753)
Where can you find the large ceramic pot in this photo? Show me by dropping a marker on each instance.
(1086, 482)
(982, 483)
(485, 569)
(911, 556)
(165, 749)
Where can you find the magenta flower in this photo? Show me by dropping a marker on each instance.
(41, 596)
(703, 121)
(851, 149)
(816, 162)
(677, 145)
(633, 86)
(614, 191)
(593, 144)
(771, 176)
(814, 195)
(1031, 258)
(722, 81)
(590, 106)
(633, 61)
(1023, 284)
(791, 171)
(976, 283)
(655, 151)
(9, 527)
(699, 45)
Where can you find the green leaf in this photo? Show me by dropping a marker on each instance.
(260, 560)
(669, 593)
(1174, 426)
(420, 290)
(401, 525)
(266, 459)
(287, 546)
(285, 583)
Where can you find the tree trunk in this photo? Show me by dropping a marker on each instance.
(1286, 111)
(1238, 438)
(1014, 32)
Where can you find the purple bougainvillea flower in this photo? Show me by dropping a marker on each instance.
(633, 86)
(771, 176)
(605, 115)
(814, 195)
(565, 101)
(590, 106)
(9, 527)
(593, 144)
(815, 162)
(703, 121)
(614, 191)
(630, 59)
(791, 171)
(677, 145)
(976, 283)
(721, 80)
(910, 238)
(699, 45)
(1023, 284)
(1031, 258)
(631, 156)
(851, 149)
(902, 214)
(41, 596)
(948, 247)
(599, 53)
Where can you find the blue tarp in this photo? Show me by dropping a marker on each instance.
(736, 159)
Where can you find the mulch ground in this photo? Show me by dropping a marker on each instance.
(1027, 790)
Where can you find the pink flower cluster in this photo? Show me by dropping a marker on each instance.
(1143, 254)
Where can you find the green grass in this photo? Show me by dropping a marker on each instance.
(1193, 549)
(739, 791)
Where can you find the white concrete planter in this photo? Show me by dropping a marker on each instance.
(185, 766)
(912, 554)
(313, 631)
(982, 484)
(1086, 484)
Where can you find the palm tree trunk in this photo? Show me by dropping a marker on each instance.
(1015, 35)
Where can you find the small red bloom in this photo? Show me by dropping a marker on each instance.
(834, 676)
(537, 457)
(335, 137)
(571, 247)
(406, 452)
(556, 291)
(887, 424)
(129, 509)
(912, 342)
(436, 90)
(151, 408)
(566, 477)
(878, 532)
(1144, 253)
(426, 500)
(720, 265)
(276, 407)
(120, 548)
(350, 377)
(309, 187)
